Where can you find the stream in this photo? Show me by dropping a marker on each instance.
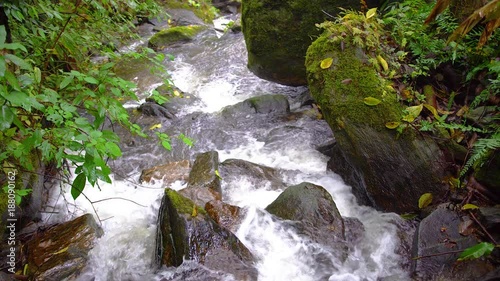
(212, 72)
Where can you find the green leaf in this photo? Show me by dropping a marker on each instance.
(469, 207)
(326, 63)
(413, 113)
(14, 46)
(91, 80)
(18, 61)
(12, 79)
(6, 117)
(392, 125)
(23, 192)
(113, 149)
(372, 12)
(476, 251)
(38, 74)
(424, 200)
(3, 66)
(3, 34)
(371, 101)
(78, 185)
(166, 145)
(66, 81)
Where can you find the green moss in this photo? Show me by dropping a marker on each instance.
(201, 8)
(182, 204)
(341, 88)
(173, 35)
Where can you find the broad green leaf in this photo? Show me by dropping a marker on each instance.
(6, 117)
(38, 74)
(166, 145)
(14, 46)
(66, 81)
(18, 61)
(23, 192)
(476, 251)
(383, 63)
(12, 79)
(113, 149)
(371, 101)
(370, 13)
(189, 142)
(469, 207)
(408, 216)
(413, 113)
(91, 80)
(3, 66)
(326, 63)
(78, 185)
(3, 34)
(424, 200)
(392, 125)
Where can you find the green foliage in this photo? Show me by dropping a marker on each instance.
(480, 152)
(477, 251)
(54, 100)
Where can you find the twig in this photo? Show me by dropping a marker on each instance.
(438, 254)
(120, 198)
(483, 228)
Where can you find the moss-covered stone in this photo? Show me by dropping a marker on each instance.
(182, 204)
(201, 8)
(172, 35)
(386, 166)
(278, 32)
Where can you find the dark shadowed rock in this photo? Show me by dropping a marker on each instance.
(153, 109)
(437, 234)
(186, 232)
(168, 173)
(204, 172)
(315, 214)
(265, 104)
(61, 252)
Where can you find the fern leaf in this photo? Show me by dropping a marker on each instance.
(481, 149)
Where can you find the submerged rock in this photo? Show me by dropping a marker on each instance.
(61, 252)
(226, 215)
(374, 160)
(313, 210)
(186, 232)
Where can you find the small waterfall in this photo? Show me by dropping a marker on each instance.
(213, 70)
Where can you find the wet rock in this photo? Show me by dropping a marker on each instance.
(489, 175)
(183, 17)
(277, 34)
(204, 172)
(200, 196)
(61, 252)
(315, 214)
(375, 161)
(490, 218)
(170, 36)
(186, 232)
(176, 98)
(328, 148)
(153, 109)
(7, 277)
(439, 234)
(227, 6)
(226, 215)
(257, 175)
(265, 104)
(168, 173)
(354, 231)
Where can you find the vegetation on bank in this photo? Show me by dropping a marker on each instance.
(56, 103)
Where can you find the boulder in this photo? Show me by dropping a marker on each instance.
(265, 104)
(278, 32)
(168, 173)
(436, 243)
(227, 6)
(226, 215)
(488, 175)
(314, 213)
(257, 175)
(204, 173)
(200, 196)
(184, 17)
(154, 109)
(170, 36)
(378, 163)
(186, 232)
(61, 251)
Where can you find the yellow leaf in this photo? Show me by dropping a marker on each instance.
(60, 251)
(217, 174)
(392, 125)
(383, 63)
(469, 207)
(371, 101)
(413, 113)
(326, 63)
(195, 211)
(432, 110)
(176, 93)
(371, 13)
(156, 126)
(424, 200)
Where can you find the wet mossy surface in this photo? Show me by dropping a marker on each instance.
(204, 10)
(172, 35)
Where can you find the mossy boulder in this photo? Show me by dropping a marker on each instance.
(169, 36)
(186, 232)
(201, 8)
(278, 32)
(387, 171)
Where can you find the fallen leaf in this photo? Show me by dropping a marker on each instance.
(326, 63)
(371, 101)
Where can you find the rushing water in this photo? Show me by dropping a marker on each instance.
(213, 70)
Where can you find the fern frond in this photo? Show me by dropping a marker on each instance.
(481, 149)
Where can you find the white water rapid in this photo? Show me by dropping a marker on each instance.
(213, 70)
